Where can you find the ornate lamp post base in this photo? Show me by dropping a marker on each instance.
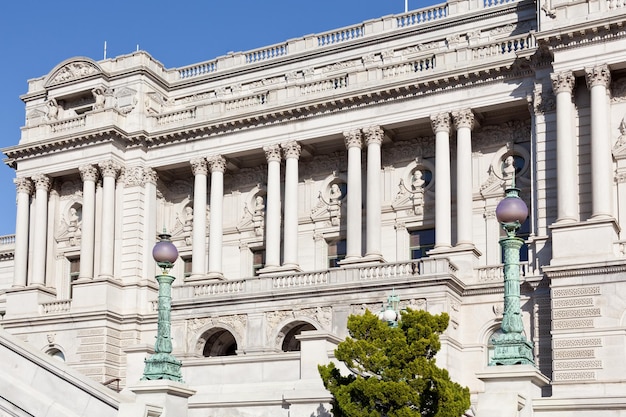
(162, 366)
(512, 352)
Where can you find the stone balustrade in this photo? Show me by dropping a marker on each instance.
(55, 307)
(7, 240)
(493, 273)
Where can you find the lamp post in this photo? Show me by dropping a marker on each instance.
(511, 346)
(391, 313)
(162, 364)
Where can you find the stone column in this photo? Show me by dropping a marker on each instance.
(20, 270)
(273, 205)
(291, 150)
(598, 80)
(353, 239)
(373, 140)
(109, 171)
(567, 181)
(89, 175)
(198, 252)
(150, 179)
(463, 123)
(42, 186)
(443, 211)
(217, 166)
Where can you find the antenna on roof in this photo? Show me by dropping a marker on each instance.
(137, 47)
(406, 6)
(105, 50)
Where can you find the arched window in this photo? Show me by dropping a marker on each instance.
(290, 343)
(220, 342)
(56, 354)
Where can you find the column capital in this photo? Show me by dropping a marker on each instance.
(563, 82)
(374, 135)
(217, 163)
(88, 173)
(463, 118)
(109, 168)
(272, 152)
(41, 182)
(150, 176)
(353, 138)
(23, 185)
(440, 122)
(598, 75)
(291, 149)
(199, 166)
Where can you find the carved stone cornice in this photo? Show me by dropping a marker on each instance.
(88, 173)
(598, 75)
(463, 118)
(353, 138)
(563, 82)
(373, 135)
(23, 185)
(42, 182)
(440, 122)
(199, 166)
(272, 152)
(291, 149)
(217, 163)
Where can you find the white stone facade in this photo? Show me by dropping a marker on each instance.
(305, 181)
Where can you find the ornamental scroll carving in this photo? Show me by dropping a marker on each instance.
(236, 323)
(321, 315)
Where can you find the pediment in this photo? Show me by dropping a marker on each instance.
(71, 70)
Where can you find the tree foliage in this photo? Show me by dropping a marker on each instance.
(393, 370)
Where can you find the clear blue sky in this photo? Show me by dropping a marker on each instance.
(37, 35)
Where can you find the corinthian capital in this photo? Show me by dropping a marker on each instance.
(373, 134)
(23, 185)
(88, 173)
(272, 152)
(598, 75)
(199, 166)
(217, 163)
(463, 118)
(440, 122)
(42, 182)
(563, 82)
(353, 138)
(109, 168)
(291, 149)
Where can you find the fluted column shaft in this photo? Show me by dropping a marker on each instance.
(354, 142)
(598, 80)
(150, 178)
(109, 171)
(200, 171)
(463, 122)
(567, 182)
(89, 175)
(42, 186)
(20, 270)
(373, 140)
(443, 210)
(273, 206)
(217, 166)
(291, 151)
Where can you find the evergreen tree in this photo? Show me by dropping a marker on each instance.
(393, 370)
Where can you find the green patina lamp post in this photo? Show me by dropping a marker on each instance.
(391, 313)
(511, 346)
(162, 364)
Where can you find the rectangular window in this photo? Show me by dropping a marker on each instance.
(74, 273)
(258, 261)
(336, 252)
(187, 266)
(420, 242)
